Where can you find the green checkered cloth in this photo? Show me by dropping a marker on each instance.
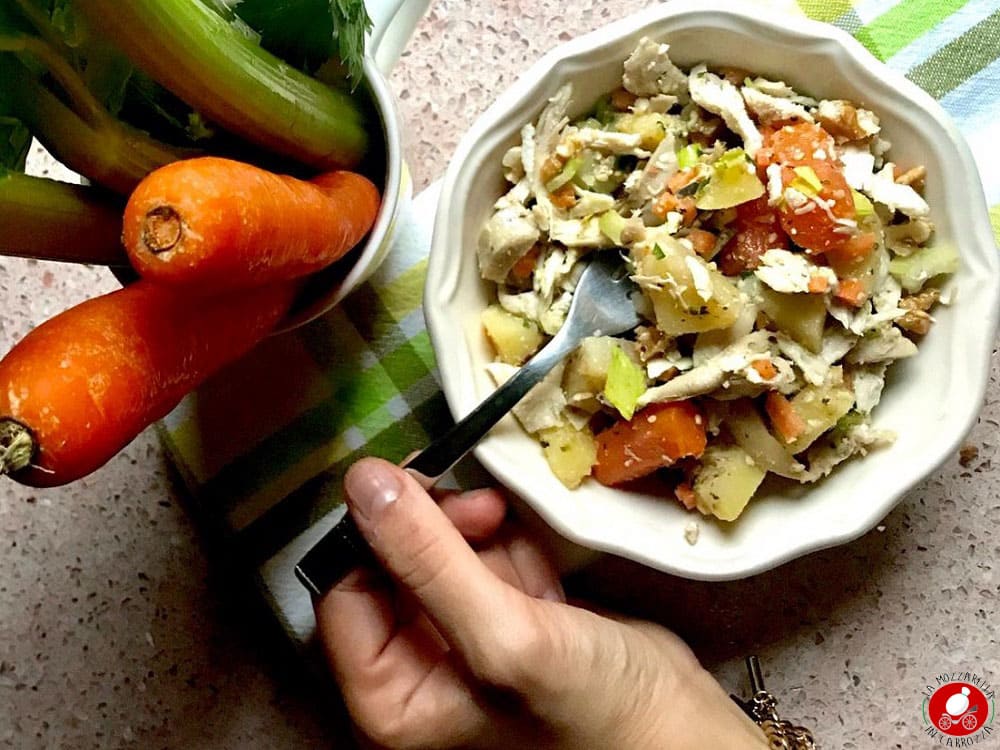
(264, 445)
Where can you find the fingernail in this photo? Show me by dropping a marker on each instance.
(371, 486)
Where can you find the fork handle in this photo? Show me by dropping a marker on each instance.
(343, 548)
(447, 450)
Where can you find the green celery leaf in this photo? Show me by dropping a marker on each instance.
(351, 23)
(307, 33)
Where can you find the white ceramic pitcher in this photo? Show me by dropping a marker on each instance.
(393, 24)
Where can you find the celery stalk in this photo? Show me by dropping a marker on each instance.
(52, 220)
(625, 384)
(208, 63)
(109, 153)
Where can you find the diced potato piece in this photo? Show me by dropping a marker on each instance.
(820, 407)
(587, 370)
(726, 481)
(651, 126)
(733, 181)
(866, 269)
(801, 316)
(680, 305)
(514, 338)
(752, 435)
(571, 453)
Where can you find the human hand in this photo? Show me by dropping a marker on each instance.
(458, 647)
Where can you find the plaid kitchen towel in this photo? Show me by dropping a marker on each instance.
(264, 444)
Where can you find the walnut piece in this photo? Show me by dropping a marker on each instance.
(913, 177)
(845, 122)
(916, 319)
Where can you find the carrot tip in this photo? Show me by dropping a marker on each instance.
(17, 446)
(162, 229)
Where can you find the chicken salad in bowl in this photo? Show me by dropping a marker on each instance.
(929, 401)
(784, 260)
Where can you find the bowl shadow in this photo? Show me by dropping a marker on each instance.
(730, 619)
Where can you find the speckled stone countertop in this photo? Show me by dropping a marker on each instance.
(118, 629)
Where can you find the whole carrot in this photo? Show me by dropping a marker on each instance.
(82, 385)
(223, 224)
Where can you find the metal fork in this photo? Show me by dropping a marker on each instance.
(602, 306)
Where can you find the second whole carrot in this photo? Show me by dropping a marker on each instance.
(222, 224)
(82, 385)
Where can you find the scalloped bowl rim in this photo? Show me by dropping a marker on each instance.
(561, 508)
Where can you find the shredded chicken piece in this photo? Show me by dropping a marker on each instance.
(882, 187)
(828, 453)
(859, 163)
(731, 369)
(649, 71)
(791, 273)
(651, 341)
(610, 143)
(509, 234)
(720, 97)
(544, 405)
(882, 345)
(768, 109)
(867, 382)
(779, 89)
(643, 186)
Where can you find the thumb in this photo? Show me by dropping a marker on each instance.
(427, 556)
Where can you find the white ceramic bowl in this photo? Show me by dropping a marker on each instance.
(931, 401)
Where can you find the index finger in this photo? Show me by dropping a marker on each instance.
(357, 618)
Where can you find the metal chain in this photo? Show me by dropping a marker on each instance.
(762, 708)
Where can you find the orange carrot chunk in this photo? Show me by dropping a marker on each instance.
(765, 368)
(681, 179)
(702, 241)
(785, 420)
(82, 385)
(655, 437)
(757, 231)
(525, 265)
(222, 224)
(818, 284)
(685, 496)
(818, 230)
(850, 292)
(854, 250)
